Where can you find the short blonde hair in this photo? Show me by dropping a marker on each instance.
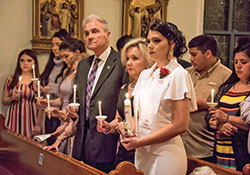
(140, 43)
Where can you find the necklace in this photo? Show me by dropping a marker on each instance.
(131, 86)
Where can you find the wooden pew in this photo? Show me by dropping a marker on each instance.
(25, 154)
(246, 169)
(194, 162)
(126, 168)
(19, 155)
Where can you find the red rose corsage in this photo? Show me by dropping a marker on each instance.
(164, 72)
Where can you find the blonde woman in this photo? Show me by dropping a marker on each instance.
(135, 58)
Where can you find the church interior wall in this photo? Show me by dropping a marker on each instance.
(16, 26)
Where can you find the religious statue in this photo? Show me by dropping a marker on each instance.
(136, 14)
(65, 16)
(74, 18)
(143, 15)
(58, 14)
(154, 12)
(49, 18)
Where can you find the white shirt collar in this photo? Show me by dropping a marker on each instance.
(104, 54)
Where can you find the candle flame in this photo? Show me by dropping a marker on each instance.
(33, 66)
(74, 86)
(20, 78)
(48, 96)
(99, 102)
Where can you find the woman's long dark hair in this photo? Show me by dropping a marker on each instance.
(171, 32)
(72, 44)
(18, 70)
(62, 35)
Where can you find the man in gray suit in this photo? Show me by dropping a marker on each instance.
(98, 78)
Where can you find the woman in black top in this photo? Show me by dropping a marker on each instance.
(135, 58)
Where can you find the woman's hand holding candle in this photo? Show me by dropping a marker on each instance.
(15, 96)
(103, 126)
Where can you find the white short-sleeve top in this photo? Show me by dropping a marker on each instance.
(153, 98)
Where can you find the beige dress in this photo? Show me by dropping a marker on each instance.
(153, 110)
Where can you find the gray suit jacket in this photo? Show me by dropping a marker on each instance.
(91, 146)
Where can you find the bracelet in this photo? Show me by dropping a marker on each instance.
(59, 140)
(226, 118)
(67, 133)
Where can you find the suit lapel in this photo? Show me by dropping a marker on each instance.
(107, 69)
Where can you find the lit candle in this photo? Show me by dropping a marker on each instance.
(48, 98)
(38, 89)
(100, 108)
(34, 72)
(128, 113)
(74, 94)
(212, 95)
(19, 87)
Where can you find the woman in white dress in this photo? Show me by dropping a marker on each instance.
(163, 97)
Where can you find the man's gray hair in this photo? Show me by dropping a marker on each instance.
(97, 18)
